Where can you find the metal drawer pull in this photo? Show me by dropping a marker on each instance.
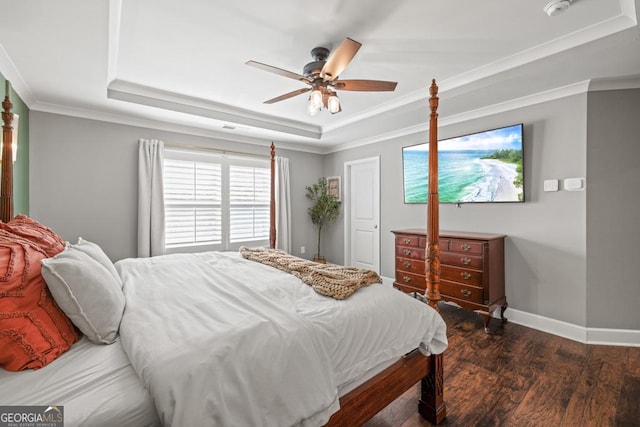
(406, 279)
(465, 261)
(407, 241)
(465, 292)
(407, 251)
(406, 264)
(465, 275)
(466, 247)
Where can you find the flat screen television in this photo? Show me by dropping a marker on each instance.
(483, 167)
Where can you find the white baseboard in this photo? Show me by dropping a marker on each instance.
(600, 336)
(596, 336)
(546, 324)
(623, 337)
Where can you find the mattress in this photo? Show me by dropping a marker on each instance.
(95, 383)
(98, 386)
(196, 320)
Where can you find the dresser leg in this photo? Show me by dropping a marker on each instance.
(485, 318)
(504, 307)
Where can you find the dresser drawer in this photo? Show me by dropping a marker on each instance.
(461, 260)
(466, 246)
(408, 240)
(411, 279)
(465, 292)
(409, 252)
(410, 265)
(461, 275)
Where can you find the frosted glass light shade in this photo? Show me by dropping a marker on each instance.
(316, 98)
(333, 104)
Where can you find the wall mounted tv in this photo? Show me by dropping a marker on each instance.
(477, 168)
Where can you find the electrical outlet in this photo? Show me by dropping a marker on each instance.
(302, 249)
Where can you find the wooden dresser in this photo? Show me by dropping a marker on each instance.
(471, 268)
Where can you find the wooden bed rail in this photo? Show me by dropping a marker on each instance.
(6, 185)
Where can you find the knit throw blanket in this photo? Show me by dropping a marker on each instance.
(334, 281)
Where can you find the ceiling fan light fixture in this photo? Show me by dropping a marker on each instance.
(316, 98)
(557, 7)
(333, 103)
(312, 108)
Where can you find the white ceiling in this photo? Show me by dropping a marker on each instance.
(181, 65)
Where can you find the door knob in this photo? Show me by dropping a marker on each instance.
(375, 226)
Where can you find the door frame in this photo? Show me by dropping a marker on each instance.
(346, 202)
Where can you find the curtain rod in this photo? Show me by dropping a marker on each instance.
(217, 150)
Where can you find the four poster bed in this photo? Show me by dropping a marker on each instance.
(139, 379)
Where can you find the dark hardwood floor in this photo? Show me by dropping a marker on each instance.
(519, 376)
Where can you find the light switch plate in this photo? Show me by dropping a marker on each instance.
(551, 185)
(573, 184)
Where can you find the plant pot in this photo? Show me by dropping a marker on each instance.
(319, 259)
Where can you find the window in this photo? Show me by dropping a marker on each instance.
(215, 201)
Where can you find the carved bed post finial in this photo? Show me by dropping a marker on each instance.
(272, 207)
(432, 264)
(6, 184)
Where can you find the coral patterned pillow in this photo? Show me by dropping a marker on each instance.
(28, 228)
(33, 329)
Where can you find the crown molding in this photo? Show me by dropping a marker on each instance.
(550, 95)
(205, 132)
(525, 101)
(11, 73)
(396, 133)
(145, 95)
(631, 82)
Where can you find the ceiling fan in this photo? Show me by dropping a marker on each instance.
(321, 75)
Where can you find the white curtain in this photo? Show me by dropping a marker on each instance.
(150, 198)
(283, 205)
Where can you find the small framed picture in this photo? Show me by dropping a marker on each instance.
(333, 183)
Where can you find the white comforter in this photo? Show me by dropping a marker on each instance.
(220, 340)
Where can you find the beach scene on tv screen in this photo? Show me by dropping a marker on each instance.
(481, 167)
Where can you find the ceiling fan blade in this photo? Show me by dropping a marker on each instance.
(278, 71)
(339, 59)
(365, 85)
(288, 95)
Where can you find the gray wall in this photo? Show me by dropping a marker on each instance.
(613, 209)
(568, 256)
(546, 244)
(83, 176)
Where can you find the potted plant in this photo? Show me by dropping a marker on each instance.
(325, 209)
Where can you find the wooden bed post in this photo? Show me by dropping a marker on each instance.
(432, 406)
(6, 188)
(272, 207)
(433, 202)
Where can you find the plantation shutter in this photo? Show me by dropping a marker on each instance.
(249, 203)
(193, 202)
(215, 201)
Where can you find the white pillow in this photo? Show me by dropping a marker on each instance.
(86, 292)
(96, 252)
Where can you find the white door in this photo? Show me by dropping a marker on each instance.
(362, 214)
